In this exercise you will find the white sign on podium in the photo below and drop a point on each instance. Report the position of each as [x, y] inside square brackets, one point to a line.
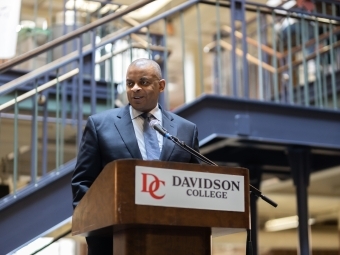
[187, 189]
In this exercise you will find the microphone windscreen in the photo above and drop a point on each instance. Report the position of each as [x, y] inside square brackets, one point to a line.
[154, 122]
[156, 125]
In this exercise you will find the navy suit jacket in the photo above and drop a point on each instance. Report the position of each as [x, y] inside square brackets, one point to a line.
[110, 135]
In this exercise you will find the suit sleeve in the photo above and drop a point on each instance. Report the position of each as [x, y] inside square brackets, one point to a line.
[88, 164]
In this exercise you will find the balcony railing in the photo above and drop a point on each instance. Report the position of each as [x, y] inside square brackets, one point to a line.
[247, 51]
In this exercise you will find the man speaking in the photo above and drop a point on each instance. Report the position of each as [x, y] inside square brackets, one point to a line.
[123, 133]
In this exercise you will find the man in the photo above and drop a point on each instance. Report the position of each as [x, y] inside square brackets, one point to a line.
[119, 133]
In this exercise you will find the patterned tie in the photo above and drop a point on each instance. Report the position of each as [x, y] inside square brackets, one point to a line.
[150, 138]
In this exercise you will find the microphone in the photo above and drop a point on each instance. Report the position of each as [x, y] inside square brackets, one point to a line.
[156, 125]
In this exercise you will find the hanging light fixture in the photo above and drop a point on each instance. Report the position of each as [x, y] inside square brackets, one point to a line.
[284, 223]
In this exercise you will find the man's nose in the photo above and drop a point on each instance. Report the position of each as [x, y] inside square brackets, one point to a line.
[135, 88]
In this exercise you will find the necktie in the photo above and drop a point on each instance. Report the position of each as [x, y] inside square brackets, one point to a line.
[150, 138]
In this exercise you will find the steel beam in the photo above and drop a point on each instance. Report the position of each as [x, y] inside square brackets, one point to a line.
[264, 122]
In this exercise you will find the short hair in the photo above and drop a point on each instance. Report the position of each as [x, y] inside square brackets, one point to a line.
[146, 61]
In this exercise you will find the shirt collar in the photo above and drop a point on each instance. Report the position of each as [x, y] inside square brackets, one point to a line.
[156, 112]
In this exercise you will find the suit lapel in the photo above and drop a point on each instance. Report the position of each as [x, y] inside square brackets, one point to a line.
[125, 128]
[168, 146]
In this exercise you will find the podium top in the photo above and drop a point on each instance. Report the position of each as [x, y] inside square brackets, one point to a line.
[109, 205]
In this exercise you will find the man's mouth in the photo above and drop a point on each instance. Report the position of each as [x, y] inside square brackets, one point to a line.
[137, 97]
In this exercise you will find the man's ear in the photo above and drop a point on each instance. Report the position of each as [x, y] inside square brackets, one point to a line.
[161, 85]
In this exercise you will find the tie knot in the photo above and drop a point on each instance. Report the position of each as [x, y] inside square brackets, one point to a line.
[147, 116]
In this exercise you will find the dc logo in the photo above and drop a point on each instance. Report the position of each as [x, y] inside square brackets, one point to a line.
[151, 184]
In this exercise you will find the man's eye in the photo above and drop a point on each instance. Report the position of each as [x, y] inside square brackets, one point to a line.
[130, 84]
[144, 82]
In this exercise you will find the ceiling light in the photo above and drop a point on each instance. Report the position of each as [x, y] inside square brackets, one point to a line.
[27, 24]
[148, 10]
[285, 5]
[109, 7]
[81, 5]
[284, 223]
[273, 3]
[288, 5]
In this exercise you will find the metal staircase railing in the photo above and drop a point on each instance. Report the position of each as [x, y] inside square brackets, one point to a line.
[269, 62]
[42, 113]
[71, 80]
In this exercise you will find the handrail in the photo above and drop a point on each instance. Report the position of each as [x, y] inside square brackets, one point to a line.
[270, 51]
[322, 50]
[73, 56]
[322, 18]
[312, 41]
[12, 85]
[39, 89]
[70, 74]
[240, 53]
[253, 42]
[139, 45]
[62, 39]
[266, 66]
[26, 117]
[133, 23]
[53, 241]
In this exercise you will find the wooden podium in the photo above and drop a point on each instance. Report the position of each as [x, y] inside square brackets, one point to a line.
[108, 208]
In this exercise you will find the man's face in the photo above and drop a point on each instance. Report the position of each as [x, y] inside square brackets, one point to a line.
[143, 87]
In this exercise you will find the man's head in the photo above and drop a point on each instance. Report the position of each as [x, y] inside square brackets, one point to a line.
[143, 84]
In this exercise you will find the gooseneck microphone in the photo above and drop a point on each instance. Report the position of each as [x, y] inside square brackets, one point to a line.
[155, 124]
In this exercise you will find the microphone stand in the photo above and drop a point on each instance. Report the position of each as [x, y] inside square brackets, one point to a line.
[253, 191]
[155, 124]
[198, 155]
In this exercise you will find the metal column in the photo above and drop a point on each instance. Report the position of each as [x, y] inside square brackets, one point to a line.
[158, 57]
[237, 13]
[255, 175]
[299, 159]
